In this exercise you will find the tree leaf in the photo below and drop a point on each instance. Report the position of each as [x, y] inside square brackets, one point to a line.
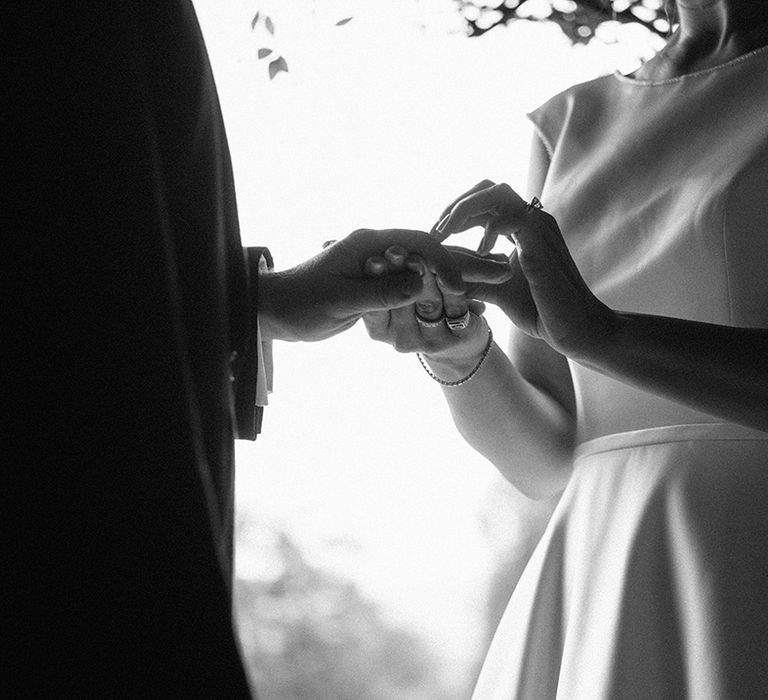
[277, 66]
[254, 21]
[344, 21]
[269, 25]
[263, 53]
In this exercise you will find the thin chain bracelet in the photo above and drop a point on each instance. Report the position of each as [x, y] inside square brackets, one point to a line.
[474, 371]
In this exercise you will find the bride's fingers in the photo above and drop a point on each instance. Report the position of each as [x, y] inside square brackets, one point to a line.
[499, 200]
[490, 234]
[482, 185]
[476, 218]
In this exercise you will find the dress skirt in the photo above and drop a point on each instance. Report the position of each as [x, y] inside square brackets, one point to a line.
[651, 579]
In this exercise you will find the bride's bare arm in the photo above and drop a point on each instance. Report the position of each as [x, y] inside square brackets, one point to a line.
[720, 370]
[519, 414]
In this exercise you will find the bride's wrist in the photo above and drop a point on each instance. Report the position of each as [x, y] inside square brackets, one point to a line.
[452, 370]
[453, 364]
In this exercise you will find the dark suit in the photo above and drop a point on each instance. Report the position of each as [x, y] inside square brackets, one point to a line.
[127, 294]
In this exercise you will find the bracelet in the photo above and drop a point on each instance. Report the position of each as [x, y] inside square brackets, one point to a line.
[459, 382]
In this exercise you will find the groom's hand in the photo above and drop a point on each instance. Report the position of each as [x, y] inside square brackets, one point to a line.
[331, 291]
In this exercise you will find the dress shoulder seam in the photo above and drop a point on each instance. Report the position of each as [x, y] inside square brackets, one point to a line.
[542, 137]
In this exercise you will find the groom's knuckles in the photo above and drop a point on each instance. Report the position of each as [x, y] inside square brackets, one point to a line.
[368, 242]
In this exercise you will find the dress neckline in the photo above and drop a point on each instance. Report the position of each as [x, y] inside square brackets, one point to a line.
[695, 74]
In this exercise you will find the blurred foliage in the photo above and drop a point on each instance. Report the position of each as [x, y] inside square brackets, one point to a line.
[266, 25]
[579, 19]
[276, 65]
[308, 634]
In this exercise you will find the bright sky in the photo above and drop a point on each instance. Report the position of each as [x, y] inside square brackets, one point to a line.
[378, 123]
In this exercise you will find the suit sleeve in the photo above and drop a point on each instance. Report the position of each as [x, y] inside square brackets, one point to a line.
[125, 285]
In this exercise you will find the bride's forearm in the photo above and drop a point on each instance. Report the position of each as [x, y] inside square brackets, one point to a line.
[720, 370]
[522, 430]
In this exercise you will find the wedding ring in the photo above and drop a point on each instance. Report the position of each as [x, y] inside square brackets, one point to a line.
[535, 203]
[457, 323]
[429, 323]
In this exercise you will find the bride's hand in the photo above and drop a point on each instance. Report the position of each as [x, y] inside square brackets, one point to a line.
[546, 296]
[421, 327]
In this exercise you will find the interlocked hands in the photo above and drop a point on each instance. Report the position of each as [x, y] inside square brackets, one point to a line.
[424, 325]
[421, 296]
[544, 295]
[331, 291]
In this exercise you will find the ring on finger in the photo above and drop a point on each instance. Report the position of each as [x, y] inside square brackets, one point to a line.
[457, 323]
[535, 203]
[429, 322]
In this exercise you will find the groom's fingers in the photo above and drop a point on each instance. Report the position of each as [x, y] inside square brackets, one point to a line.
[364, 243]
[350, 254]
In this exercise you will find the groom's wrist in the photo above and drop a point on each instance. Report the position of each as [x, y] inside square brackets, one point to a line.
[276, 317]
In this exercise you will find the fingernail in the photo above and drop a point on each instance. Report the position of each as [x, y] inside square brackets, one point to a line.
[395, 255]
[442, 223]
[416, 266]
[427, 309]
[376, 267]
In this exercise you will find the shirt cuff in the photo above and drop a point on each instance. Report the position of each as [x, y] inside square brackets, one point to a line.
[253, 365]
[265, 364]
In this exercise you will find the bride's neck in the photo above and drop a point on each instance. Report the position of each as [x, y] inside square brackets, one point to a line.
[710, 32]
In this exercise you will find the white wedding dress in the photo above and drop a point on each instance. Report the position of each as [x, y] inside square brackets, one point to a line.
[651, 580]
